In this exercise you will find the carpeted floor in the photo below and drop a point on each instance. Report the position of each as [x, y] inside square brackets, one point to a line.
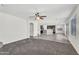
[37, 47]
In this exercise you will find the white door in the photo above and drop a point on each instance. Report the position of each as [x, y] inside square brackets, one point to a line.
[31, 29]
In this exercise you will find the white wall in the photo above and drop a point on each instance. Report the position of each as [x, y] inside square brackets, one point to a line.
[74, 40]
[12, 28]
[60, 26]
[77, 32]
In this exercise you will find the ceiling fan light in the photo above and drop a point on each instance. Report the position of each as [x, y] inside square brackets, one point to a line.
[38, 18]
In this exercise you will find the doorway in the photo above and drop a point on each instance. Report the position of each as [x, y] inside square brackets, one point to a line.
[51, 29]
[31, 29]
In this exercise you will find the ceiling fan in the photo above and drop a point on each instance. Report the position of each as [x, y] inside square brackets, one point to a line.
[39, 17]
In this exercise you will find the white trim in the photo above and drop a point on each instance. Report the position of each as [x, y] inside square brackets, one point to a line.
[73, 42]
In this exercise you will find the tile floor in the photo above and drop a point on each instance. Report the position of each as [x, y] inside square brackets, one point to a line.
[54, 37]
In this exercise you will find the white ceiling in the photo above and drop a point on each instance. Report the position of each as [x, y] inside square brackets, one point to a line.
[26, 10]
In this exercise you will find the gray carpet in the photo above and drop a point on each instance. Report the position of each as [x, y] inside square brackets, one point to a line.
[37, 47]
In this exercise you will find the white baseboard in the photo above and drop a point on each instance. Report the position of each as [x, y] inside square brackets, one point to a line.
[74, 43]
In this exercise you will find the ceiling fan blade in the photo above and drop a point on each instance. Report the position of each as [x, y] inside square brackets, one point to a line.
[31, 16]
[43, 16]
[37, 14]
